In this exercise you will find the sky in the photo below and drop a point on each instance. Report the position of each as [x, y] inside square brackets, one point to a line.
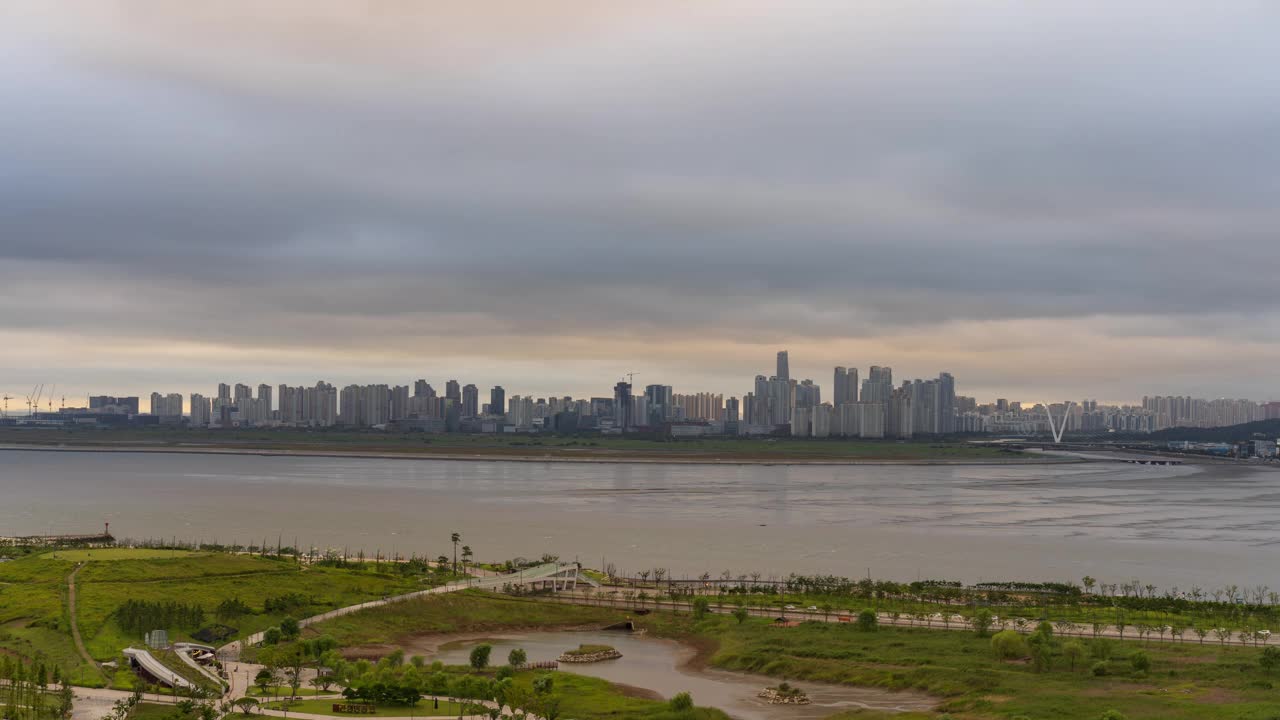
[1057, 200]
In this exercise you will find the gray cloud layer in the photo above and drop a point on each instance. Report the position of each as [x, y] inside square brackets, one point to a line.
[893, 177]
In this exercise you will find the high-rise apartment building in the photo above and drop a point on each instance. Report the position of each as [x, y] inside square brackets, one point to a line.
[265, 400]
[845, 386]
[453, 391]
[470, 401]
[497, 400]
[784, 365]
[168, 405]
[622, 405]
[201, 413]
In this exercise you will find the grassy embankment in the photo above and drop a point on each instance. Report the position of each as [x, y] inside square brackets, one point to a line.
[34, 619]
[497, 446]
[1082, 611]
[1185, 681]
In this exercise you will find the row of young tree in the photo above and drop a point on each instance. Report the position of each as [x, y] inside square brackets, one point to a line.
[33, 690]
[146, 615]
[1244, 610]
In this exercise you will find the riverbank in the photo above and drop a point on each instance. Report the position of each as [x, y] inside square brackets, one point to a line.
[560, 455]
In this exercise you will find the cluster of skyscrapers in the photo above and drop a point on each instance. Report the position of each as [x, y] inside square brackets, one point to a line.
[870, 407]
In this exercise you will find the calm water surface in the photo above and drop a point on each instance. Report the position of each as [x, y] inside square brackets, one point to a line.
[657, 665]
[1173, 526]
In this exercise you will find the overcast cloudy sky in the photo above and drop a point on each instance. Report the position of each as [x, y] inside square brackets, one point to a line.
[1049, 200]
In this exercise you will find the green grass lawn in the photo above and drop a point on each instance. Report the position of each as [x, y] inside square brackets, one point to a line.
[1186, 682]
[34, 620]
[152, 711]
[108, 554]
[588, 698]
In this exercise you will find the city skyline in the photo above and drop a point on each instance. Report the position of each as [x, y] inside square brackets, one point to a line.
[527, 195]
[875, 407]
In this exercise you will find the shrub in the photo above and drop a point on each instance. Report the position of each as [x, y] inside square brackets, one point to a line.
[1100, 669]
[272, 636]
[480, 656]
[701, 606]
[1270, 659]
[982, 621]
[1140, 662]
[682, 702]
[1112, 715]
[1008, 645]
[867, 621]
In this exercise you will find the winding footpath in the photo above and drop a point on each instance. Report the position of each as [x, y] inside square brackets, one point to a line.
[75, 624]
[542, 573]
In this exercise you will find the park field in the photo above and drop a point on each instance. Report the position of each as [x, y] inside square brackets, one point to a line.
[109, 554]
[1084, 678]
[35, 617]
[542, 447]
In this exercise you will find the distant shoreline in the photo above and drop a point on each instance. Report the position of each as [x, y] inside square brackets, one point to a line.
[627, 459]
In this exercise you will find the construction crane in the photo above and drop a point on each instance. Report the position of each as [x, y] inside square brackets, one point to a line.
[33, 400]
[51, 394]
[6, 405]
[631, 378]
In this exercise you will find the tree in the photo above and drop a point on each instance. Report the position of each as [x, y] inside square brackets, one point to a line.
[466, 556]
[480, 656]
[290, 629]
[517, 657]
[1269, 659]
[982, 621]
[1073, 651]
[455, 538]
[272, 636]
[867, 621]
[265, 678]
[246, 705]
[701, 606]
[1008, 645]
[1140, 662]
[740, 613]
[1088, 583]
[682, 702]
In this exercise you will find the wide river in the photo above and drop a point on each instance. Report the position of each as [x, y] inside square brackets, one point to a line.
[1184, 526]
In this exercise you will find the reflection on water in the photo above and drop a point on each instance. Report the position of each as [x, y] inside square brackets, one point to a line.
[1172, 526]
[655, 665]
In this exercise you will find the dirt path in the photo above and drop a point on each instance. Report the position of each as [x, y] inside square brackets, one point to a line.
[75, 624]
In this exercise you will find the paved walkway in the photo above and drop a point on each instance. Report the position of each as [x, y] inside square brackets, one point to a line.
[231, 651]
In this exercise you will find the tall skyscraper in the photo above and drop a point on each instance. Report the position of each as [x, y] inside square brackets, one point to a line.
[470, 401]
[264, 398]
[422, 388]
[622, 405]
[497, 400]
[946, 403]
[845, 389]
[658, 403]
[784, 367]
[200, 410]
[453, 391]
